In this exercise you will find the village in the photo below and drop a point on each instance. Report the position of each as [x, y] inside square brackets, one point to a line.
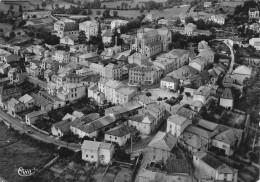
[146, 98]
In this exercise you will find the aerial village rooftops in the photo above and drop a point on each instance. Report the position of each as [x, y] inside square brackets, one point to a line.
[120, 131]
[120, 109]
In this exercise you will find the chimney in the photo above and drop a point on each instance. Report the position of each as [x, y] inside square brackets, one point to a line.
[116, 41]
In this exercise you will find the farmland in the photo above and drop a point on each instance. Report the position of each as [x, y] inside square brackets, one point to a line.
[166, 13]
[16, 152]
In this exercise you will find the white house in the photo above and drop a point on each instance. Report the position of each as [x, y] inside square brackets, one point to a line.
[69, 40]
[226, 99]
[169, 82]
[60, 128]
[97, 152]
[207, 4]
[176, 124]
[119, 134]
[27, 100]
[218, 19]
[89, 27]
[255, 42]
[211, 168]
[61, 56]
[118, 23]
[71, 91]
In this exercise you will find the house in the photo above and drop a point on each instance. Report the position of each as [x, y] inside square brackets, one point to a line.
[144, 123]
[255, 42]
[4, 54]
[148, 119]
[228, 141]
[125, 110]
[110, 52]
[27, 100]
[34, 70]
[31, 117]
[84, 72]
[61, 128]
[150, 42]
[7, 92]
[226, 99]
[110, 88]
[4, 68]
[193, 143]
[47, 102]
[124, 94]
[176, 124]
[204, 93]
[161, 146]
[118, 23]
[251, 61]
[97, 152]
[15, 106]
[218, 19]
[113, 71]
[242, 72]
[253, 13]
[141, 75]
[71, 91]
[66, 27]
[183, 73]
[94, 127]
[107, 36]
[90, 28]
[120, 134]
[35, 14]
[70, 40]
[77, 125]
[93, 92]
[211, 168]
[11, 58]
[163, 22]
[16, 75]
[169, 83]
[149, 18]
[172, 60]
[61, 56]
[207, 4]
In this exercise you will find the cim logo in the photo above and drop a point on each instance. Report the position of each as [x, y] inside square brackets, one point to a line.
[26, 172]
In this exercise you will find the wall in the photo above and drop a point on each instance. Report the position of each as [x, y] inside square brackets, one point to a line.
[90, 155]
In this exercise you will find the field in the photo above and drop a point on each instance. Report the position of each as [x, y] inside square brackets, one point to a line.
[166, 13]
[231, 3]
[61, 4]
[19, 153]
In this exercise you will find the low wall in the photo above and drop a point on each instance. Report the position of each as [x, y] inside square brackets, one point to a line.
[38, 129]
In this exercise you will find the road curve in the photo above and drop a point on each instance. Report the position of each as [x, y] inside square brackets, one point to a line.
[37, 135]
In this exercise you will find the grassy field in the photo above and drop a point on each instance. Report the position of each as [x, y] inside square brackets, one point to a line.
[166, 13]
[20, 153]
[231, 4]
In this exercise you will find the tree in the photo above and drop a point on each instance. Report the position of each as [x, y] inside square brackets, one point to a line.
[148, 94]
[137, 7]
[115, 14]
[106, 13]
[189, 19]
[159, 99]
[141, 10]
[56, 6]
[122, 5]
[126, 5]
[82, 37]
[20, 9]
[79, 3]
[11, 7]
[12, 35]
[44, 4]
[84, 12]
[98, 12]
[90, 12]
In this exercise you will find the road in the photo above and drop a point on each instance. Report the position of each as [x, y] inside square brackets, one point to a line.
[16, 124]
[225, 41]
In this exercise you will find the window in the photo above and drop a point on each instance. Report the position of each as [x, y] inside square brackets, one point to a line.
[92, 156]
[71, 95]
[87, 156]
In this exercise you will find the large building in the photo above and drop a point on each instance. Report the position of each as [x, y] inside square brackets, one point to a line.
[253, 12]
[89, 27]
[141, 75]
[66, 27]
[150, 42]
